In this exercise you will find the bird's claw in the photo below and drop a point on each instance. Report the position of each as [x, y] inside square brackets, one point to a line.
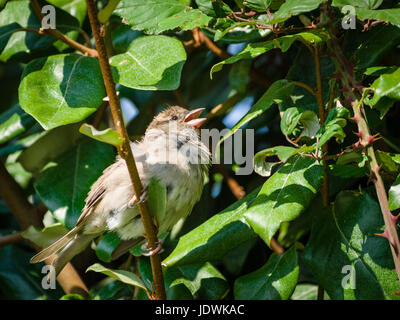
[143, 197]
[158, 249]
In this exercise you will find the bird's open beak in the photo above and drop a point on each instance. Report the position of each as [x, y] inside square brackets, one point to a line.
[192, 118]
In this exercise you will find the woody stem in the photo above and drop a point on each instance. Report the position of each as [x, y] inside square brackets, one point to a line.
[125, 151]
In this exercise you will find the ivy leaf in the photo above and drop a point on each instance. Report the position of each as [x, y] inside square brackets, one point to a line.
[215, 237]
[61, 89]
[276, 280]
[108, 135]
[64, 184]
[346, 256]
[121, 275]
[284, 196]
[160, 15]
[151, 63]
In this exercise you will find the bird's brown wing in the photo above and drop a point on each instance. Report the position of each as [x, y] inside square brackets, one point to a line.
[96, 193]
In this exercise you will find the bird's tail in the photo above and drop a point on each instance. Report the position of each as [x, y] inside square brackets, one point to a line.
[66, 248]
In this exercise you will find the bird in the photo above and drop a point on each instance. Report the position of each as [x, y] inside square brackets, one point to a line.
[172, 152]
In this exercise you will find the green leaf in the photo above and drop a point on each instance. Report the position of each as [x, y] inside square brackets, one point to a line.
[299, 122]
[151, 63]
[48, 147]
[284, 43]
[333, 128]
[157, 199]
[276, 93]
[275, 280]
[20, 14]
[375, 45]
[45, 237]
[307, 291]
[121, 275]
[72, 296]
[344, 239]
[64, 184]
[387, 85]
[13, 122]
[239, 76]
[215, 237]
[261, 5]
[20, 280]
[204, 281]
[61, 89]
[284, 196]
[284, 153]
[394, 195]
[108, 135]
[106, 246]
[160, 15]
[347, 171]
[293, 8]
[390, 15]
[367, 4]
[213, 8]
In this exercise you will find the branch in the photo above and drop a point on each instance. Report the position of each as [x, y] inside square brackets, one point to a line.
[352, 89]
[60, 36]
[224, 106]
[305, 86]
[125, 151]
[27, 215]
[11, 239]
[322, 117]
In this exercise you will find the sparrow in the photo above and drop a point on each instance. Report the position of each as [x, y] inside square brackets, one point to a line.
[170, 151]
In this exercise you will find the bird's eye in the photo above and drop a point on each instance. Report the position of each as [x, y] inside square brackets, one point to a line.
[174, 118]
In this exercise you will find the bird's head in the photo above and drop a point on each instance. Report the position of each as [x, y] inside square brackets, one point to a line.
[177, 119]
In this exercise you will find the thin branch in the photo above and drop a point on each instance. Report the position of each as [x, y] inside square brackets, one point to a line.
[27, 215]
[60, 36]
[125, 151]
[305, 86]
[322, 117]
[11, 239]
[224, 106]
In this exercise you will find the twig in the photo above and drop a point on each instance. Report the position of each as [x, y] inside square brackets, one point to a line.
[125, 151]
[27, 215]
[224, 106]
[322, 116]
[11, 239]
[305, 86]
[320, 295]
[99, 114]
[60, 36]
[179, 97]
